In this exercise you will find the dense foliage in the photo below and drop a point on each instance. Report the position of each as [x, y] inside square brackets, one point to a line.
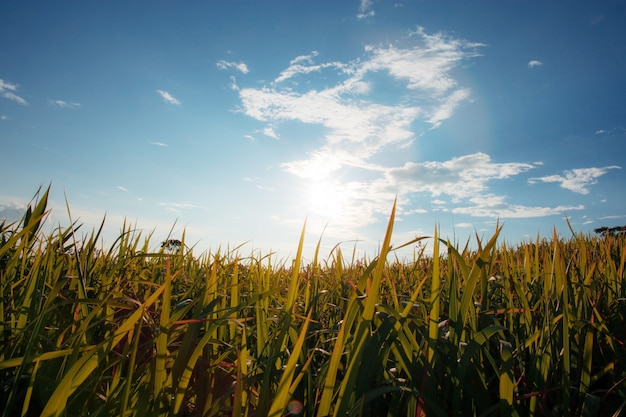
[535, 329]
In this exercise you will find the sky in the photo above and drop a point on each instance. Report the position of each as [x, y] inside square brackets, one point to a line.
[237, 122]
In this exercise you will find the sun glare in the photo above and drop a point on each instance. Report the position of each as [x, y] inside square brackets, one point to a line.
[326, 198]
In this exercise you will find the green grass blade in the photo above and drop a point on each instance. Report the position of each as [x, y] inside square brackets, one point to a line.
[285, 388]
[160, 373]
[86, 364]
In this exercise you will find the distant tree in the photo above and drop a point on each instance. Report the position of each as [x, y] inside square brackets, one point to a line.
[171, 245]
[614, 231]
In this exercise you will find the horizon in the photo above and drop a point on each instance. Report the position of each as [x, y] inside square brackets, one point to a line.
[237, 122]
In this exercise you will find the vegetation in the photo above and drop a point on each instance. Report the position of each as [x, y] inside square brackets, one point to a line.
[610, 230]
[536, 329]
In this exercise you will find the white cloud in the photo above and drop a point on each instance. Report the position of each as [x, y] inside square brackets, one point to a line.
[496, 207]
[460, 178]
[11, 210]
[159, 144]
[270, 132]
[179, 207]
[365, 9]
[362, 126]
[119, 187]
[534, 63]
[446, 109]
[616, 131]
[239, 66]
[168, 98]
[576, 180]
[426, 66]
[345, 107]
[265, 188]
[304, 64]
[4, 117]
[612, 217]
[7, 90]
[464, 225]
[64, 104]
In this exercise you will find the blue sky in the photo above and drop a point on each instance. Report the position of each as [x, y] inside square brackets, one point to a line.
[237, 120]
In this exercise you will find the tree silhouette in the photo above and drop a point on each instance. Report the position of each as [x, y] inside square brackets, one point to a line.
[613, 231]
[171, 245]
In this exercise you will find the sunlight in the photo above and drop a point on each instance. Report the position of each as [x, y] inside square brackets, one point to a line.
[326, 198]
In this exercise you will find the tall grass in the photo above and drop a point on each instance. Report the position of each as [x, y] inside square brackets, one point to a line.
[531, 330]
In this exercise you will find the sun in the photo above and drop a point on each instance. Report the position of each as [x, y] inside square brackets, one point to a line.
[326, 198]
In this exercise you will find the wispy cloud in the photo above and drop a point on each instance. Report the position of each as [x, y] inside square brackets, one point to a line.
[168, 98]
[464, 225]
[304, 64]
[460, 178]
[119, 187]
[239, 66]
[179, 207]
[446, 109]
[359, 127]
[365, 9]
[576, 180]
[4, 117]
[496, 207]
[616, 131]
[269, 131]
[63, 104]
[363, 126]
[7, 90]
[534, 63]
[159, 144]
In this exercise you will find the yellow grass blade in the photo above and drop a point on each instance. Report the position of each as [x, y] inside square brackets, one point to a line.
[295, 274]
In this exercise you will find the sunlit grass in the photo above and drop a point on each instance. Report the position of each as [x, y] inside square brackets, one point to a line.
[531, 330]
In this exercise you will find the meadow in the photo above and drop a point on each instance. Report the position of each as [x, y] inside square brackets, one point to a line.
[535, 329]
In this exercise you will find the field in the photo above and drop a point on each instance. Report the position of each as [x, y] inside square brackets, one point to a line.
[538, 329]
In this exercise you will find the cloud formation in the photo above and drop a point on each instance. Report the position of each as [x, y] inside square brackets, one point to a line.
[496, 207]
[11, 211]
[179, 207]
[365, 9]
[359, 126]
[534, 63]
[460, 178]
[7, 90]
[168, 98]
[345, 173]
[239, 66]
[270, 132]
[576, 180]
[64, 104]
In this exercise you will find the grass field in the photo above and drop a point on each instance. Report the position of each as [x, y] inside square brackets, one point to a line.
[532, 330]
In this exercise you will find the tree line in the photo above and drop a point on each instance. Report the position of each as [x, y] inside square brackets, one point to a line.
[614, 231]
